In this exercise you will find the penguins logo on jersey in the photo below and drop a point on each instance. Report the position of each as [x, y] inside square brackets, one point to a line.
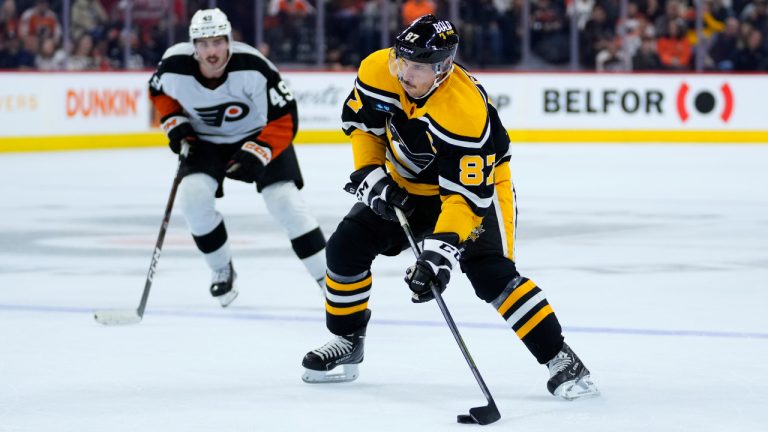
[417, 162]
[217, 115]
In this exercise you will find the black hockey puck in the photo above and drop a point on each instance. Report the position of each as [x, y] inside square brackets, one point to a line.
[465, 419]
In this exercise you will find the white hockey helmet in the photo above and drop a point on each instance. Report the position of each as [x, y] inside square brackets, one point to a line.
[208, 23]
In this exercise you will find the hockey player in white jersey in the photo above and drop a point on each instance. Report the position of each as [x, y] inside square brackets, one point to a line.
[229, 103]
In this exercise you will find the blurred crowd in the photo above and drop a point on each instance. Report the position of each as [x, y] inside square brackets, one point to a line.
[652, 35]
[32, 36]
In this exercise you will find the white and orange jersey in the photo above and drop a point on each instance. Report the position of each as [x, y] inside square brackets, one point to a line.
[249, 99]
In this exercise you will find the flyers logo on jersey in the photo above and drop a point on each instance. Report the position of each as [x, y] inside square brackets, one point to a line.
[227, 112]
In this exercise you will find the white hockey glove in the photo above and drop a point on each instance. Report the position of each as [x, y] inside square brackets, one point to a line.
[375, 188]
[438, 258]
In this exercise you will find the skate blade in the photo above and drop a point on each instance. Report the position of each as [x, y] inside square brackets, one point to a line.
[348, 372]
[226, 299]
[582, 388]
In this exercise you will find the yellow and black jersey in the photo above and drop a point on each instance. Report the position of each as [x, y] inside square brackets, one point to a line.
[450, 143]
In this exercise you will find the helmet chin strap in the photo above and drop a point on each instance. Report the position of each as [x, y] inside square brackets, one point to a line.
[438, 80]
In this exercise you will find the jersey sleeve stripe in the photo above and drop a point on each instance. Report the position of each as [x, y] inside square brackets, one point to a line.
[387, 97]
[278, 134]
[478, 202]
[246, 133]
[457, 140]
[166, 105]
[348, 126]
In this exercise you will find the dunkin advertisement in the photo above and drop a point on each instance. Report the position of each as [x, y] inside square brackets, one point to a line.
[41, 104]
[533, 106]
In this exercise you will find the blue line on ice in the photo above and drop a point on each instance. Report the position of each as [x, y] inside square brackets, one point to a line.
[253, 316]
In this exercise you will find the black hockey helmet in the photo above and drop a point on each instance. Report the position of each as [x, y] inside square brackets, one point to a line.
[427, 40]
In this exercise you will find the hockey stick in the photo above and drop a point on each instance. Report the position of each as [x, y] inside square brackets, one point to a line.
[128, 316]
[481, 415]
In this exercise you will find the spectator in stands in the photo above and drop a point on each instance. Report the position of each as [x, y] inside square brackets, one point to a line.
[713, 22]
[582, 9]
[40, 21]
[16, 56]
[612, 10]
[9, 21]
[612, 58]
[7, 55]
[647, 57]
[50, 58]
[651, 10]
[755, 15]
[30, 47]
[596, 35]
[413, 9]
[718, 11]
[548, 36]
[510, 12]
[632, 29]
[673, 12]
[293, 35]
[112, 48]
[342, 33]
[722, 53]
[752, 56]
[134, 61]
[88, 16]
[370, 27]
[290, 7]
[674, 48]
[482, 32]
[82, 57]
[150, 49]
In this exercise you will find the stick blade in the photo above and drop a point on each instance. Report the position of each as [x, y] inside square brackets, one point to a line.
[484, 415]
[117, 317]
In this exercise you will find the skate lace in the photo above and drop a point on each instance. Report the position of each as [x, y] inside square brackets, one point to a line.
[221, 275]
[334, 348]
[559, 363]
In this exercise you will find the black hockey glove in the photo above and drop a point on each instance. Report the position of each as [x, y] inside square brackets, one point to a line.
[247, 164]
[178, 129]
[433, 267]
[375, 188]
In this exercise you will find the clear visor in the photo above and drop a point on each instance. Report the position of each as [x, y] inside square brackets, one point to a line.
[403, 68]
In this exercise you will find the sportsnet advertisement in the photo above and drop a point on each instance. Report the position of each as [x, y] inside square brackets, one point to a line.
[46, 111]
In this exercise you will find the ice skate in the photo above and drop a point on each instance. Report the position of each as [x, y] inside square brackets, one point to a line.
[569, 379]
[223, 285]
[336, 361]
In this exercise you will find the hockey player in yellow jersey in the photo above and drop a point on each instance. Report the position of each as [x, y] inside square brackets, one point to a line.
[426, 140]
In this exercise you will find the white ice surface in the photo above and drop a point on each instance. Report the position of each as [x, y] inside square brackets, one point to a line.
[655, 259]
